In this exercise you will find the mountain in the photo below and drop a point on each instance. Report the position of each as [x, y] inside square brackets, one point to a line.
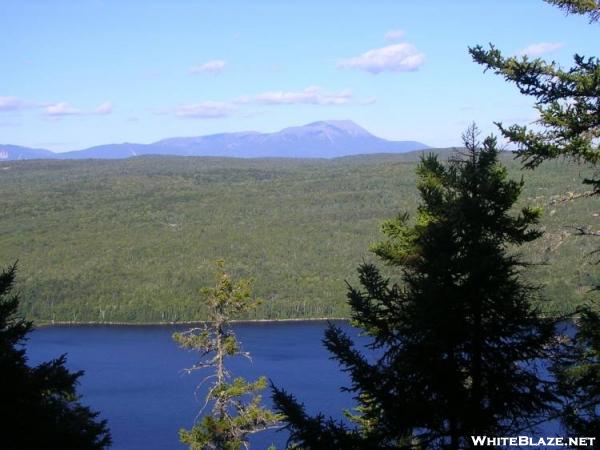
[13, 152]
[325, 139]
[108, 151]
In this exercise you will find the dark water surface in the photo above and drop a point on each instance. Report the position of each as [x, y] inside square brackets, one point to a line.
[133, 375]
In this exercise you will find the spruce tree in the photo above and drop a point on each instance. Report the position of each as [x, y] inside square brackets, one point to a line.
[568, 102]
[585, 7]
[39, 405]
[456, 342]
[236, 405]
[578, 376]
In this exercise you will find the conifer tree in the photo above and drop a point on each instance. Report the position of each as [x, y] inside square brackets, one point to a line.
[568, 102]
[456, 341]
[578, 376]
[39, 405]
[236, 405]
[585, 7]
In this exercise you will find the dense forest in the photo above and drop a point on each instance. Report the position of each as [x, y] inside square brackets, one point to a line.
[133, 240]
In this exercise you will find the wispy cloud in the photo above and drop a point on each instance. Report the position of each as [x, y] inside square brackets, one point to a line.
[61, 109]
[313, 95]
[12, 104]
[66, 109]
[215, 66]
[540, 48]
[394, 35]
[205, 110]
[401, 57]
[55, 110]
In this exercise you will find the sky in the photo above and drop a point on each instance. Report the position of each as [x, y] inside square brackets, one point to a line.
[79, 73]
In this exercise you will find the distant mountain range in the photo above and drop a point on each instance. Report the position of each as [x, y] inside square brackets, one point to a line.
[325, 139]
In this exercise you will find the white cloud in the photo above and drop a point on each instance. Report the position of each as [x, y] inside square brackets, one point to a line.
[66, 109]
[11, 104]
[61, 109]
[205, 110]
[313, 95]
[401, 57]
[214, 66]
[540, 48]
[56, 110]
[394, 35]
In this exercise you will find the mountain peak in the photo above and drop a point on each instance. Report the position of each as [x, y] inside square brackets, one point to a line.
[323, 139]
[347, 126]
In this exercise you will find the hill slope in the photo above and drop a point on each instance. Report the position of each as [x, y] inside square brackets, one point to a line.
[133, 240]
[16, 152]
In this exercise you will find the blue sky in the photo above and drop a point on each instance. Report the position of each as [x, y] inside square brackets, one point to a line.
[81, 73]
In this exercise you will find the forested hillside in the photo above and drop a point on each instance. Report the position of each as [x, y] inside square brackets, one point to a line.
[134, 240]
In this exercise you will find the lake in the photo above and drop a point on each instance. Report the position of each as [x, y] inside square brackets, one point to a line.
[133, 375]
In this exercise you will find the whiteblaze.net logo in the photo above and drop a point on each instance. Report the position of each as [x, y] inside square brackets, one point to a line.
[527, 441]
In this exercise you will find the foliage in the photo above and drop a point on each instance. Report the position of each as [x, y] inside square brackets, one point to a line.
[589, 7]
[128, 240]
[232, 418]
[578, 375]
[40, 407]
[458, 340]
[568, 101]
[318, 432]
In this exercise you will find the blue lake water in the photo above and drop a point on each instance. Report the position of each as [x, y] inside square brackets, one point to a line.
[134, 375]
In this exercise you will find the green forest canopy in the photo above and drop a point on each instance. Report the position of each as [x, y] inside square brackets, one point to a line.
[133, 240]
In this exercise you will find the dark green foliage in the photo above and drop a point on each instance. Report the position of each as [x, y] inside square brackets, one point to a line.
[457, 340]
[129, 240]
[317, 432]
[578, 376]
[568, 101]
[586, 7]
[39, 405]
[236, 412]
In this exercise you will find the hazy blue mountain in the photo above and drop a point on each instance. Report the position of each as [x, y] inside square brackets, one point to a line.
[108, 151]
[15, 152]
[326, 139]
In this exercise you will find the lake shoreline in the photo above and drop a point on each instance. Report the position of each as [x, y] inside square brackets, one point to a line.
[194, 322]
[199, 322]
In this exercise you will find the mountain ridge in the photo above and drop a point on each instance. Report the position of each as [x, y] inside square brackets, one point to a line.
[321, 139]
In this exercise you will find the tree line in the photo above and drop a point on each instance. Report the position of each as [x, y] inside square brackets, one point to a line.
[457, 344]
[460, 342]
